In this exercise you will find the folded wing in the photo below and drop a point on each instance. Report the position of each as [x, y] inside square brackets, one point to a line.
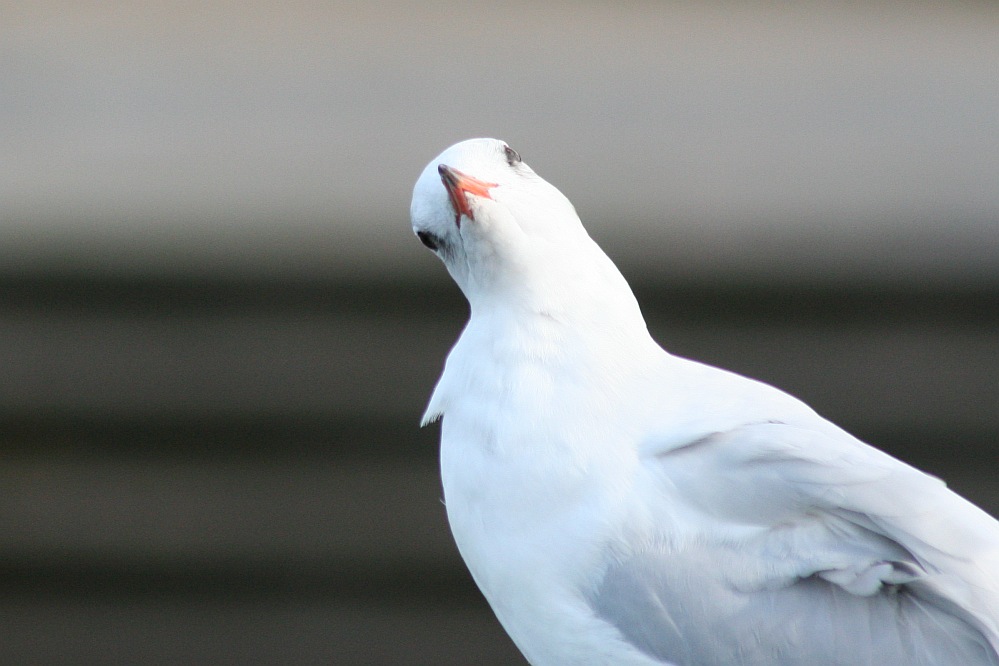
[807, 546]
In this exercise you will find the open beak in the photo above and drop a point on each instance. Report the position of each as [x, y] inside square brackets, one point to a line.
[459, 185]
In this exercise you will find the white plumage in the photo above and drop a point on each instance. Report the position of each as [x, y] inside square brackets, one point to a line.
[619, 505]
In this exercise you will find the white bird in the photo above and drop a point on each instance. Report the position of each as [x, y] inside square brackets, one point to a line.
[620, 505]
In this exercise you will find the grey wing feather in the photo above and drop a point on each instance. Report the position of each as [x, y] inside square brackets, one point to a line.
[859, 559]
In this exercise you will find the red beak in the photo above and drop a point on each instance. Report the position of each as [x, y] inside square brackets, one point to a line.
[459, 185]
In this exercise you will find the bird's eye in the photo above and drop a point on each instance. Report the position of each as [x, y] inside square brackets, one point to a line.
[512, 156]
[428, 239]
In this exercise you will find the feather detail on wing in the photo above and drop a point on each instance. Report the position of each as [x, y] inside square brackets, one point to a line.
[806, 506]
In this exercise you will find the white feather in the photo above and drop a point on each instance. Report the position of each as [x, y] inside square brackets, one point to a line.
[618, 505]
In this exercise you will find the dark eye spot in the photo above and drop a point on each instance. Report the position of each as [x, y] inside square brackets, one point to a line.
[512, 156]
[428, 239]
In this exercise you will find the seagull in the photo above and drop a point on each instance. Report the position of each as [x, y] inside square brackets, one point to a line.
[620, 505]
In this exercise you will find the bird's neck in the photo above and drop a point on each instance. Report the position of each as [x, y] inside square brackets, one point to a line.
[552, 339]
[578, 287]
[556, 324]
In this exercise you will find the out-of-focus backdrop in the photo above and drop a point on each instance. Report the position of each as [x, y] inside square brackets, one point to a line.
[217, 332]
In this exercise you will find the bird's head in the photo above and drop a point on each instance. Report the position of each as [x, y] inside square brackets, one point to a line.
[495, 223]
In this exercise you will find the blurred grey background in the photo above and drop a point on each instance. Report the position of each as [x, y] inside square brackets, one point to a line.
[217, 332]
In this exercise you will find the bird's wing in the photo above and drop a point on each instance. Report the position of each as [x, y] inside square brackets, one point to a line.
[814, 543]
